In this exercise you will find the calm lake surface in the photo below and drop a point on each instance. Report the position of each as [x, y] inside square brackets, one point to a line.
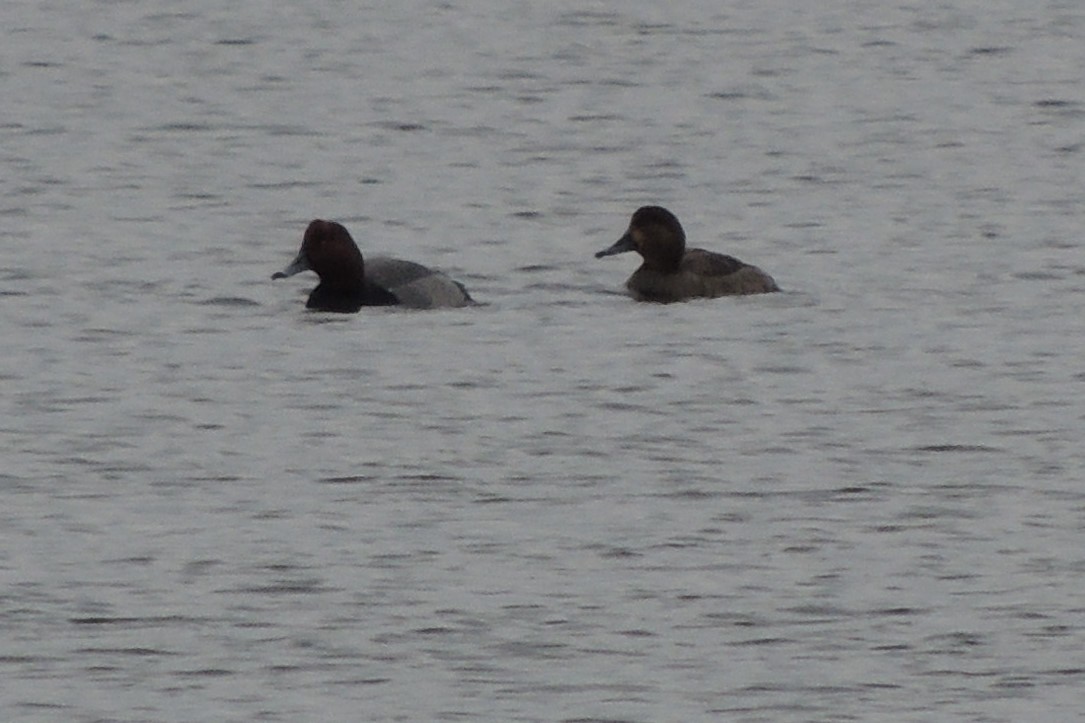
[859, 499]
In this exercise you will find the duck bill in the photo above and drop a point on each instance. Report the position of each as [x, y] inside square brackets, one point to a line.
[625, 243]
[299, 264]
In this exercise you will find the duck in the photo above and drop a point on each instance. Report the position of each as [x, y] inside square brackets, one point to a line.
[347, 282]
[671, 272]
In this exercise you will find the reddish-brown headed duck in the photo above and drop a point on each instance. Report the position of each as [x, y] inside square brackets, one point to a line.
[671, 272]
[347, 283]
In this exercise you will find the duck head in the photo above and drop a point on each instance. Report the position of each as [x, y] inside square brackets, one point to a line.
[655, 234]
[328, 249]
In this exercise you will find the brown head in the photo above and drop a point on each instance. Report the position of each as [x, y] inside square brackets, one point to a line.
[655, 234]
[328, 249]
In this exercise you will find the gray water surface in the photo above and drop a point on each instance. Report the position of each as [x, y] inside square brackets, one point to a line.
[859, 499]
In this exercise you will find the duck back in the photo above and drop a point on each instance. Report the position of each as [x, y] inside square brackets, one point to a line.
[701, 274]
[414, 285]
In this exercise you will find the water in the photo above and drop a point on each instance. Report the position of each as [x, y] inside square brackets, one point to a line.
[860, 499]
